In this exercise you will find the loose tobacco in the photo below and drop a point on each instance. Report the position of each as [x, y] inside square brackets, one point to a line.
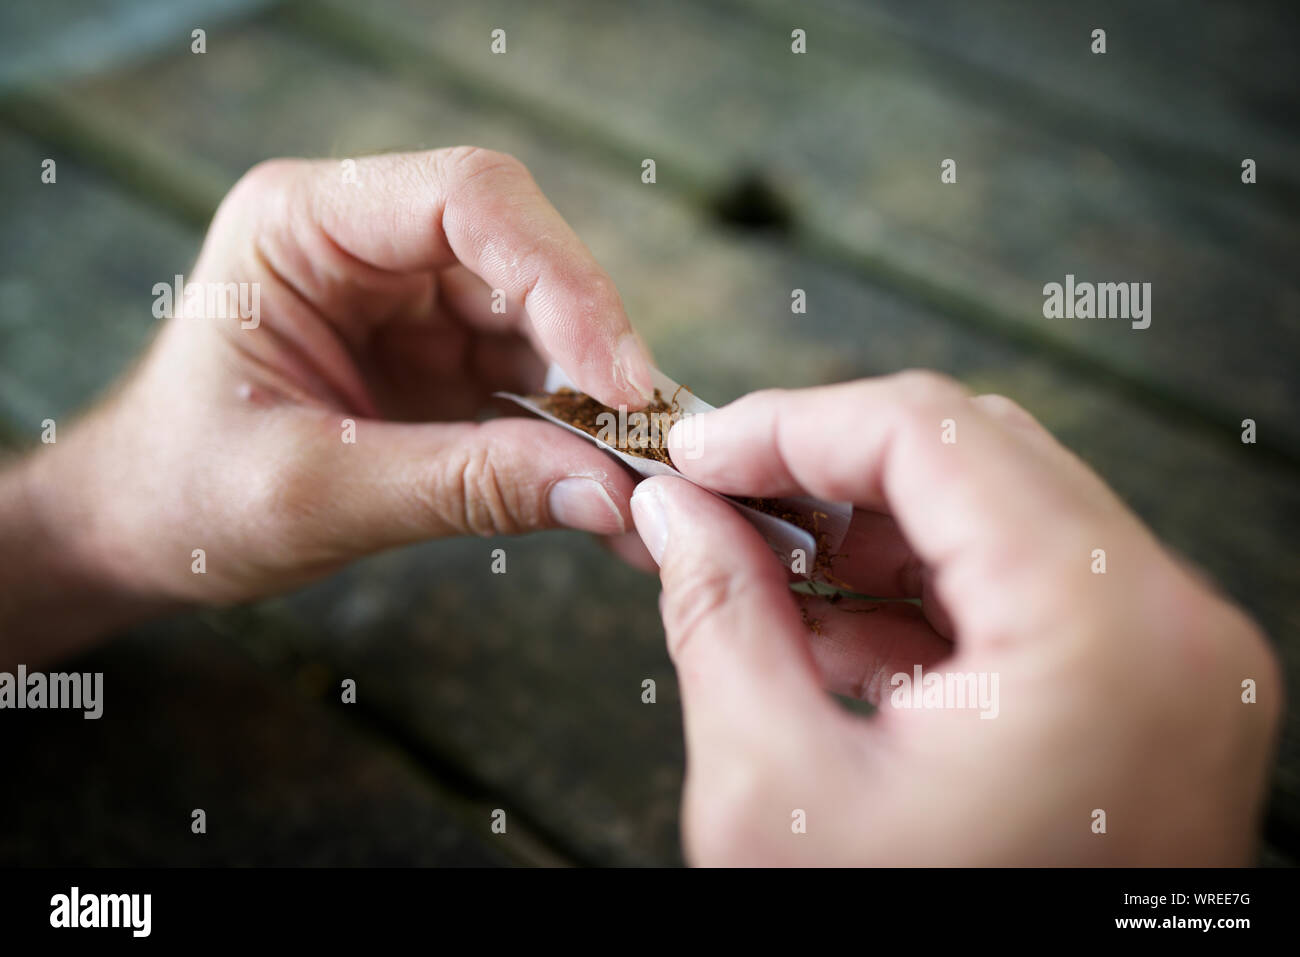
[644, 433]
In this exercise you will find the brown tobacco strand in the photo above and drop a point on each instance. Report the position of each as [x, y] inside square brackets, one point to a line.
[811, 525]
[583, 412]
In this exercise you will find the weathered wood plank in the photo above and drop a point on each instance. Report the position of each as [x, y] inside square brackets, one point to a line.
[189, 722]
[569, 635]
[854, 131]
[75, 298]
[531, 680]
[1173, 69]
[62, 38]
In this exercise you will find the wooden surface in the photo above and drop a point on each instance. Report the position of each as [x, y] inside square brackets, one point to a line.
[522, 691]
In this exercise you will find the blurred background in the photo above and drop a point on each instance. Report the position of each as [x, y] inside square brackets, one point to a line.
[775, 171]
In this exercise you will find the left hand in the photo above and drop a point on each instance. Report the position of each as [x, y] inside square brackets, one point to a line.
[375, 307]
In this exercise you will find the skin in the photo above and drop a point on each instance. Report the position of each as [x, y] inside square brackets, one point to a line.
[1119, 691]
[375, 306]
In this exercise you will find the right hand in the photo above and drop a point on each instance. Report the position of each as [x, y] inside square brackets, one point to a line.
[1119, 692]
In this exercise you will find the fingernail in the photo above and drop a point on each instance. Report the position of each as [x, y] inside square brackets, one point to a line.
[651, 520]
[632, 367]
[583, 503]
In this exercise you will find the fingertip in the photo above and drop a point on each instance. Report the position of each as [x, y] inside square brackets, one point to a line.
[565, 480]
[732, 627]
[662, 509]
[631, 371]
[583, 502]
[651, 517]
[612, 376]
[687, 528]
[687, 441]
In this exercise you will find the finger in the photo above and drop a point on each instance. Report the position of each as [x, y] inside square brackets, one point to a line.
[469, 298]
[1008, 411]
[416, 212]
[397, 483]
[747, 680]
[859, 645]
[876, 559]
[1014, 417]
[472, 300]
[994, 518]
[630, 549]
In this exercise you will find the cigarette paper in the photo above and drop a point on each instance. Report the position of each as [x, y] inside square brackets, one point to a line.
[794, 546]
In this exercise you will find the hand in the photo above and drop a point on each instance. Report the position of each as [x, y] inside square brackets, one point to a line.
[1119, 692]
[375, 305]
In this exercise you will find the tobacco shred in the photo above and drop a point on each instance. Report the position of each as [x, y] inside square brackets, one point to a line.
[583, 412]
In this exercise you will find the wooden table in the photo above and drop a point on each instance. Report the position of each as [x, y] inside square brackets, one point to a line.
[775, 171]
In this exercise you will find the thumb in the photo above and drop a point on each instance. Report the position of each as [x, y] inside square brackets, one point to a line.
[390, 483]
[746, 675]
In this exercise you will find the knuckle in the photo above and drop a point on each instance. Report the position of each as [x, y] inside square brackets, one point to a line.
[763, 396]
[1256, 656]
[1270, 666]
[460, 164]
[922, 399]
[599, 296]
[470, 496]
[761, 399]
[589, 295]
[925, 387]
[268, 178]
[695, 601]
[1005, 409]
[1214, 638]
[261, 201]
[1000, 405]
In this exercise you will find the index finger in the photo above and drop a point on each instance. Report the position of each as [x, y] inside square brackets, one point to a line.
[993, 515]
[412, 212]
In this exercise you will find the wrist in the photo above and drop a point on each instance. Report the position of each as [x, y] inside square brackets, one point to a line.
[61, 583]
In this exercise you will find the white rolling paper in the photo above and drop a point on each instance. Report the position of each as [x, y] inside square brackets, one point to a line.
[787, 540]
